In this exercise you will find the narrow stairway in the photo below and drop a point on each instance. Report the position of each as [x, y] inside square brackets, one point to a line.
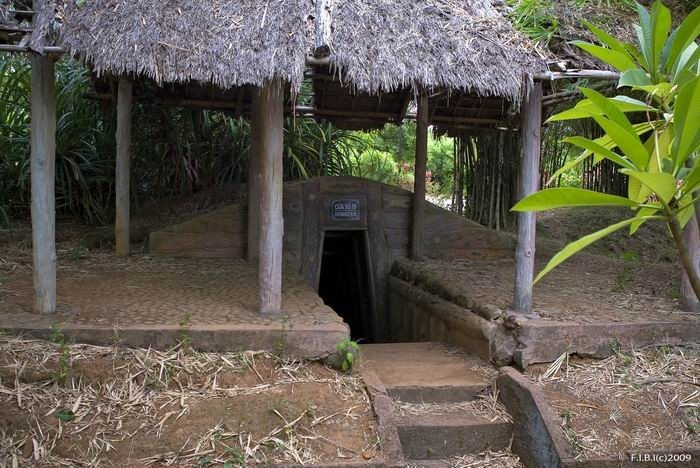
[444, 402]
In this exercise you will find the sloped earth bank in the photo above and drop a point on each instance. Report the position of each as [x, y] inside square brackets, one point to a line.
[641, 400]
[86, 405]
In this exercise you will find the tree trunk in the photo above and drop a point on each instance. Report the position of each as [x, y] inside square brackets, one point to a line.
[692, 241]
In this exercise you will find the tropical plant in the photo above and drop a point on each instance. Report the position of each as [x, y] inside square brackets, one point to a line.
[657, 149]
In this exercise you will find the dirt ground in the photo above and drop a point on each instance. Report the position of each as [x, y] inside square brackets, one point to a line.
[619, 279]
[643, 400]
[85, 405]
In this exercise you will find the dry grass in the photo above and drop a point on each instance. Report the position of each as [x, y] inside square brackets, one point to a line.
[488, 459]
[504, 459]
[146, 392]
[485, 406]
[639, 399]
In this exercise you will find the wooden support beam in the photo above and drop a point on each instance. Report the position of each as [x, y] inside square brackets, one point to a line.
[404, 107]
[324, 10]
[531, 129]
[271, 108]
[43, 174]
[577, 74]
[418, 220]
[256, 137]
[122, 175]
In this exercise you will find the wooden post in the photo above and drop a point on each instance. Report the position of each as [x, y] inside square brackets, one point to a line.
[323, 28]
[43, 173]
[256, 137]
[271, 104]
[418, 224]
[692, 240]
[122, 179]
[531, 128]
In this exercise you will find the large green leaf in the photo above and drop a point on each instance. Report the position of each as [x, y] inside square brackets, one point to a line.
[687, 66]
[608, 108]
[662, 183]
[585, 241]
[628, 142]
[568, 197]
[608, 39]
[687, 122]
[637, 191]
[634, 78]
[586, 108]
[643, 216]
[687, 210]
[599, 150]
[616, 59]
[652, 33]
[682, 37]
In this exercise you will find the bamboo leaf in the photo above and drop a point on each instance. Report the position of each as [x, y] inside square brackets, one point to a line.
[569, 197]
[578, 245]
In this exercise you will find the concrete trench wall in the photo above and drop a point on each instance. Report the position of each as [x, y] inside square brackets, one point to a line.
[416, 315]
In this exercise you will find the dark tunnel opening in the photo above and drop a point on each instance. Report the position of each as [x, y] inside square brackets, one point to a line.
[345, 281]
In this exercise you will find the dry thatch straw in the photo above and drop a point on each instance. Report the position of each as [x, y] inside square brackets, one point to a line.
[381, 45]
[376, 45]
[144, 391]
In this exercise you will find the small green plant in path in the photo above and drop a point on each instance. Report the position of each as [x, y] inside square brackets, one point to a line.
[60, 374]
[657, 146]
[349, 351]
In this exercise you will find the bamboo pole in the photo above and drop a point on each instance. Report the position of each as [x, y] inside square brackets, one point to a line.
[253, 178]
[531, 129]
[418, 224]
[43, 174]
[122, 175]
[271, 104]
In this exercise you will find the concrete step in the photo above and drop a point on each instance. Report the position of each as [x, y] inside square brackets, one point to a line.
[442, 436]
[422, 372]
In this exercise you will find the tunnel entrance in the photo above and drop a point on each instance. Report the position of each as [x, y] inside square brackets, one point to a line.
[345, 282]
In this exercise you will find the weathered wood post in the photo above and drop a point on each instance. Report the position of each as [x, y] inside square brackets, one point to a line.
[122, 175]
[271, 103]
[43, 173]
[692, 240]
[530, 128]
[418, 220]
[256, 137]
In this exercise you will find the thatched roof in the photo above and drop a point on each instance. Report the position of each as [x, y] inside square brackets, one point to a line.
[376, 45]
[384, 45]
[223, 42]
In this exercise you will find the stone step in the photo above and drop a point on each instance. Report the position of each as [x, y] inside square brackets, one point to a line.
[422, 372]
[442, 436]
